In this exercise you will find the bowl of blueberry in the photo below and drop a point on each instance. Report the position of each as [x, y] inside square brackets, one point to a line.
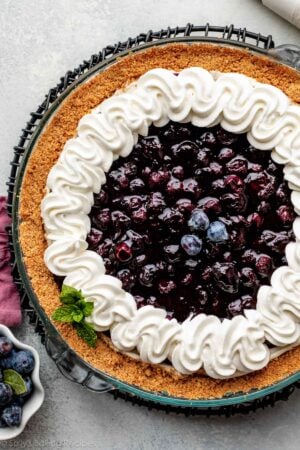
[21, 392]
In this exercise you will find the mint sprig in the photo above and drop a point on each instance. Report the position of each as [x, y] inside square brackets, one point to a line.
[74, 310]
[70, 295]
[87, 333]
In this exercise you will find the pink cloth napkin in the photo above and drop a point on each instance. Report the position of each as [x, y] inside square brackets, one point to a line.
[10, 308]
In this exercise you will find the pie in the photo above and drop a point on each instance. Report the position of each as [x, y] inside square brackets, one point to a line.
[166, 191]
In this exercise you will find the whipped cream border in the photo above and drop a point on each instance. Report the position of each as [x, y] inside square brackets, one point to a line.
[240, 104]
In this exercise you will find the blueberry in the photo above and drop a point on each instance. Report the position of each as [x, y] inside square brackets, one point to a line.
[139, 216]
[185, 205]
[255, 220]
[237, 165]
[174, 187]
[140, 301]
[218, 186]
[156, 202]
[158, 179]
[6, 346]
[236, 307]
[7, 363]
[103, 219]
[234, 202]
[22, 398]
[202, 159]
[137, 186]
[151, 147]
[186, 149]
[178, 172]
[120, 220]
[192, 188]
[282, 193]
[249, 256]
[123, 252]
[6, 394]
[135, 241]
[225, 137]
[191, 244]
[129, 169]
[127, 278]
[198, 221]
[105, 247]
[275, 241]
[23, 362]
[101, 198]
[216, 169]
[234, 182]
[226, 276]
[166, 286]
[147, 275]
[140, 260]
[210, 205]
[264, 265]
[226, 154]
[3, 424]
[217, 232]
[12, 415]
[286, 215]
[131, 202]
[94, 238]
[176, 131]
[248, 277]
[171, 217]
[208, 139]
[118, 179]
[172, 253]
[191, 264]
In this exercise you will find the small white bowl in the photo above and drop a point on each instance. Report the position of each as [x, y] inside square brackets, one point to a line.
[37, 397]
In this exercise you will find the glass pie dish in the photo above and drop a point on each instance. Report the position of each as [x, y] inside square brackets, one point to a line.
[68, 362]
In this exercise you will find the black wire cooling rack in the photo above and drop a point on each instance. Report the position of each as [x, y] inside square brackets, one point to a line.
[214, 34]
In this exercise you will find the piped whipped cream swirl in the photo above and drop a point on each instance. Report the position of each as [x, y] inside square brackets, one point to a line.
[240, 104]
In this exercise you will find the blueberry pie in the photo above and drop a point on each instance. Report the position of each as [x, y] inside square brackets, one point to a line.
[160, 220]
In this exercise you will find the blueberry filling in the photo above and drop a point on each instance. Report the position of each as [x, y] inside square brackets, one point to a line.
[193, 221]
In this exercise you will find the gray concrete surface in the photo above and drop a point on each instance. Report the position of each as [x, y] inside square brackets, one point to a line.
[39, 41]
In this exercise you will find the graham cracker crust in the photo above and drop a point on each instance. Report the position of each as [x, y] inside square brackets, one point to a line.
[176, 57]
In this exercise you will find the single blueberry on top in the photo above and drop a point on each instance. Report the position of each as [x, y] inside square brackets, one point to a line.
[198, 221]
[217, 232]
[191, 244]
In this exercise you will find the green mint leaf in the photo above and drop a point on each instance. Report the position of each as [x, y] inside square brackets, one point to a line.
[87, 333]
[15, 380]
[70, 295]
[86, 307]
[77, 314]
[65, 313]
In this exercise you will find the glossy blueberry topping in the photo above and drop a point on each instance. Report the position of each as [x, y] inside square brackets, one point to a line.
[194, 220]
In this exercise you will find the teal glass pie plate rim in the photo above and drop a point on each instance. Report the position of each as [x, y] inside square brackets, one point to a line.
[68, 362]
